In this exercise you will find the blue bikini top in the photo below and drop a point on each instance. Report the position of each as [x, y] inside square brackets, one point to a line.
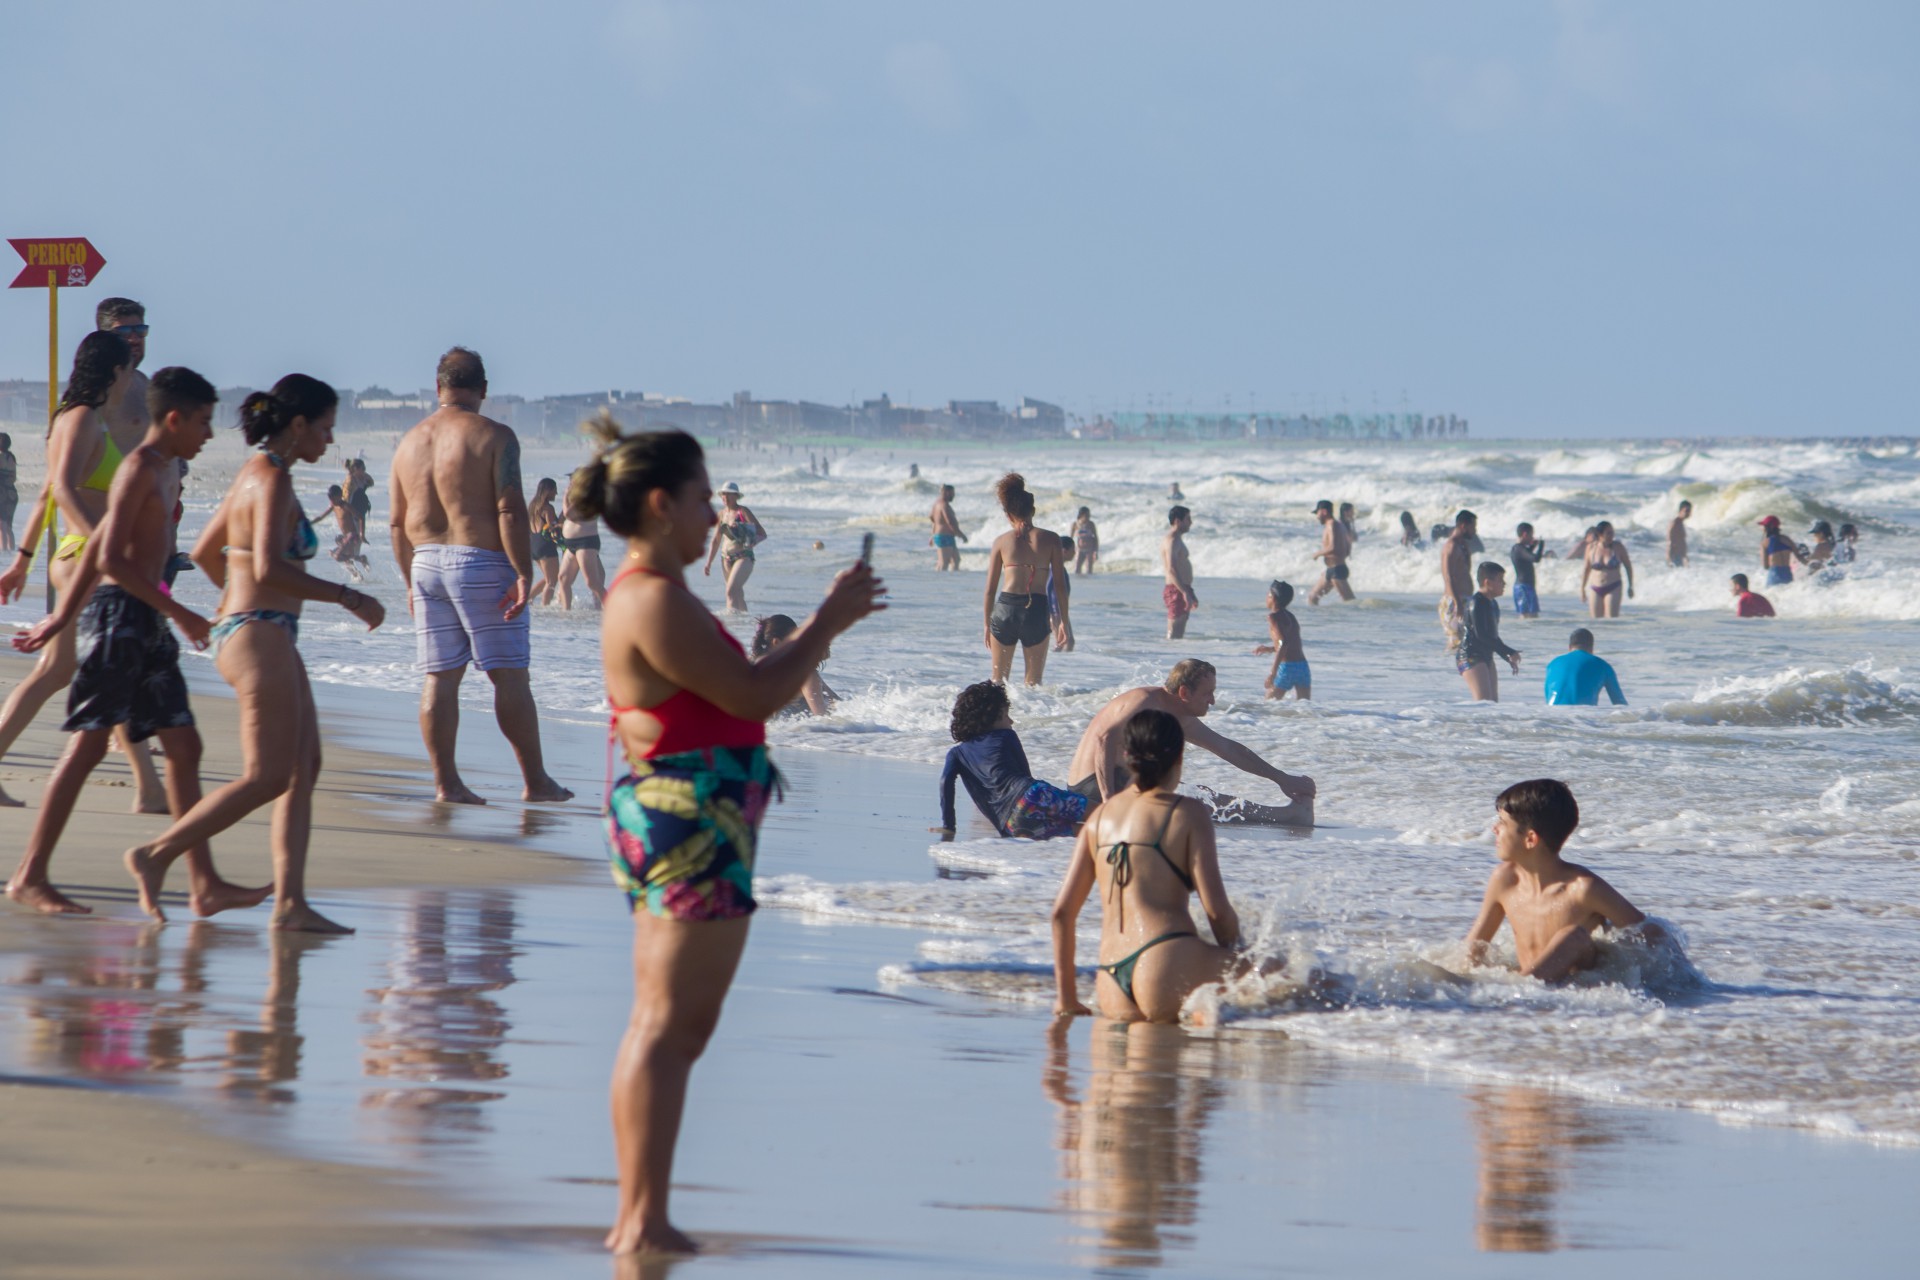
[306, 543]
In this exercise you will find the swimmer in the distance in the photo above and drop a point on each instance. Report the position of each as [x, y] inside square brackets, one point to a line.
[1553, 906]
[1148, 850]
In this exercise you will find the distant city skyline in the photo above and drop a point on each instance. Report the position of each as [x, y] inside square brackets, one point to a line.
[1561, 219]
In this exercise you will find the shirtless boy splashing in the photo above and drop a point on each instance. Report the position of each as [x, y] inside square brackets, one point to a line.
[1553, 906]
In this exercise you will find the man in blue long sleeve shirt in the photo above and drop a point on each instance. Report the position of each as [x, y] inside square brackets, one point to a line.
[1576, 677]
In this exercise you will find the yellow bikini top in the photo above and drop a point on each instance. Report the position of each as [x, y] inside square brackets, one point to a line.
[110, 459]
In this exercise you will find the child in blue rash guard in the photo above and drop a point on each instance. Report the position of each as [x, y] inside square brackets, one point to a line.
[992, 765]
[1576, 678]
[1527, 552]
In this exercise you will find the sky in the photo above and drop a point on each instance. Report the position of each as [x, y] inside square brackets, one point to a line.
[1554, 219]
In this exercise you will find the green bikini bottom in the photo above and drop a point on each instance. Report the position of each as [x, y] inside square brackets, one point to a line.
[1122, 970]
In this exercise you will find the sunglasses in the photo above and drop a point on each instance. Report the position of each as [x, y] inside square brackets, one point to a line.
[130, 330]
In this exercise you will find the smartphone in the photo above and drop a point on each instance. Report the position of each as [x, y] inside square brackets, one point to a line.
[866, 548]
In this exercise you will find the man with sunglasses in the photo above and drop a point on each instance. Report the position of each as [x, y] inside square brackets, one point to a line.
[127, 416]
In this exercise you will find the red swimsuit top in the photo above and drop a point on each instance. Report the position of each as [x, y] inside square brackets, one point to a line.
[688, 722]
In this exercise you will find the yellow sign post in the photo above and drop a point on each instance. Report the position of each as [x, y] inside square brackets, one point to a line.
[53, 408]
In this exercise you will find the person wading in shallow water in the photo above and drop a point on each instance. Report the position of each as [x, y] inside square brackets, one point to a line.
[947, 534]
[689, 715]
[1016, 597]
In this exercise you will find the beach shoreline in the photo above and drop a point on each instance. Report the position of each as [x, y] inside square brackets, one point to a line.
[472, 1096]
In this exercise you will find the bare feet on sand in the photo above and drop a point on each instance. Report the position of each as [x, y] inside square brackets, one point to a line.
[223, 896]
[634, 1238]
[155, 803]
[8, 802]
[45, 899]
[458, 794]
[546, 791]
[304, 919]
[149, 873]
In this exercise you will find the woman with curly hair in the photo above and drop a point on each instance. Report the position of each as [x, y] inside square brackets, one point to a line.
[992, 764]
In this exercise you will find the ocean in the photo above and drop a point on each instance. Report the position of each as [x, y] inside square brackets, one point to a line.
[1755, 795]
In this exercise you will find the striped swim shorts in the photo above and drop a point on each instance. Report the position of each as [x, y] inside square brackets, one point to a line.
[457, 607]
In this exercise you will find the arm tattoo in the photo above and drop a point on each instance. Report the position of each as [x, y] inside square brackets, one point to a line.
[507, 473]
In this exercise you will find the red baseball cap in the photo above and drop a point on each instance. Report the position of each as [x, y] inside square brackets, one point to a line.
[1769, 520]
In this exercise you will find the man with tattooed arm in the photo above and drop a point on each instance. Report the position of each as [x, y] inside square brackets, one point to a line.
[461, 535]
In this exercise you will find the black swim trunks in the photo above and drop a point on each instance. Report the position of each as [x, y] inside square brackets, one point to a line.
[1336, 573]
[541, 546]
[129, 669]
[1018, 619]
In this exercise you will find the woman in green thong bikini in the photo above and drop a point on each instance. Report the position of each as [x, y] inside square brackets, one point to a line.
[1147, 849]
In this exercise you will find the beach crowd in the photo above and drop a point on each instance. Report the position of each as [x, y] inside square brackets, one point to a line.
[689, 703]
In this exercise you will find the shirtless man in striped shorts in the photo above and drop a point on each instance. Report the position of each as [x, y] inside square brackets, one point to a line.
[461, 535]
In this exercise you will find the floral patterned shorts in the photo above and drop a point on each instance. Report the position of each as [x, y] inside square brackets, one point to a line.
[682, 830]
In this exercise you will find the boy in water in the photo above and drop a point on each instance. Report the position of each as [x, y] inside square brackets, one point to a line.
[129, 672]
[1480, 637]
[1290, 670]
[1553, 906]
[1527, 552]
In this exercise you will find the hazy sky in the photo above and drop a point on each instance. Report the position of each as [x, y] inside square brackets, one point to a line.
[1552, 218]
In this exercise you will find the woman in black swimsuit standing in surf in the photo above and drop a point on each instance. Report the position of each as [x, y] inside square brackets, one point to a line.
[1016, 604]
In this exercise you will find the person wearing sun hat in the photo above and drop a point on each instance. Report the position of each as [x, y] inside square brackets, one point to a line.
[740, 532]
[1777, 552]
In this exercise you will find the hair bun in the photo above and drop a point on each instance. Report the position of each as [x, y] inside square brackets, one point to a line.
[260, 416]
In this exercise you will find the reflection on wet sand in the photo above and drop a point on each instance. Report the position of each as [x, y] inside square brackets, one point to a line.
[1130, 1147]
[437, 1020]
[1529, 1141]
[114, 1000]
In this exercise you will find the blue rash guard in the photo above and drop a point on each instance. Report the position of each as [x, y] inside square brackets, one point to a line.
[1576, 677]
[994, 769]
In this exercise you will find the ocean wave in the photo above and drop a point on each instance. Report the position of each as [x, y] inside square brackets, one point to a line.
[1853, 695]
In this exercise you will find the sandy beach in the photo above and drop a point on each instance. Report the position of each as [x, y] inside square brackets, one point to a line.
[427, 1097]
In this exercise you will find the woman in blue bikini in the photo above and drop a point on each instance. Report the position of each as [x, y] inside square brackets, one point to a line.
[1147, 849]
[255, 549]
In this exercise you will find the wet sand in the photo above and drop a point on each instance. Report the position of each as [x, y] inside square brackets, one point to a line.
[456, 1053]
[114, 1177]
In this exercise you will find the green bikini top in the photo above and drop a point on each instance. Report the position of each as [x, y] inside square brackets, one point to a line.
[1120, 858]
